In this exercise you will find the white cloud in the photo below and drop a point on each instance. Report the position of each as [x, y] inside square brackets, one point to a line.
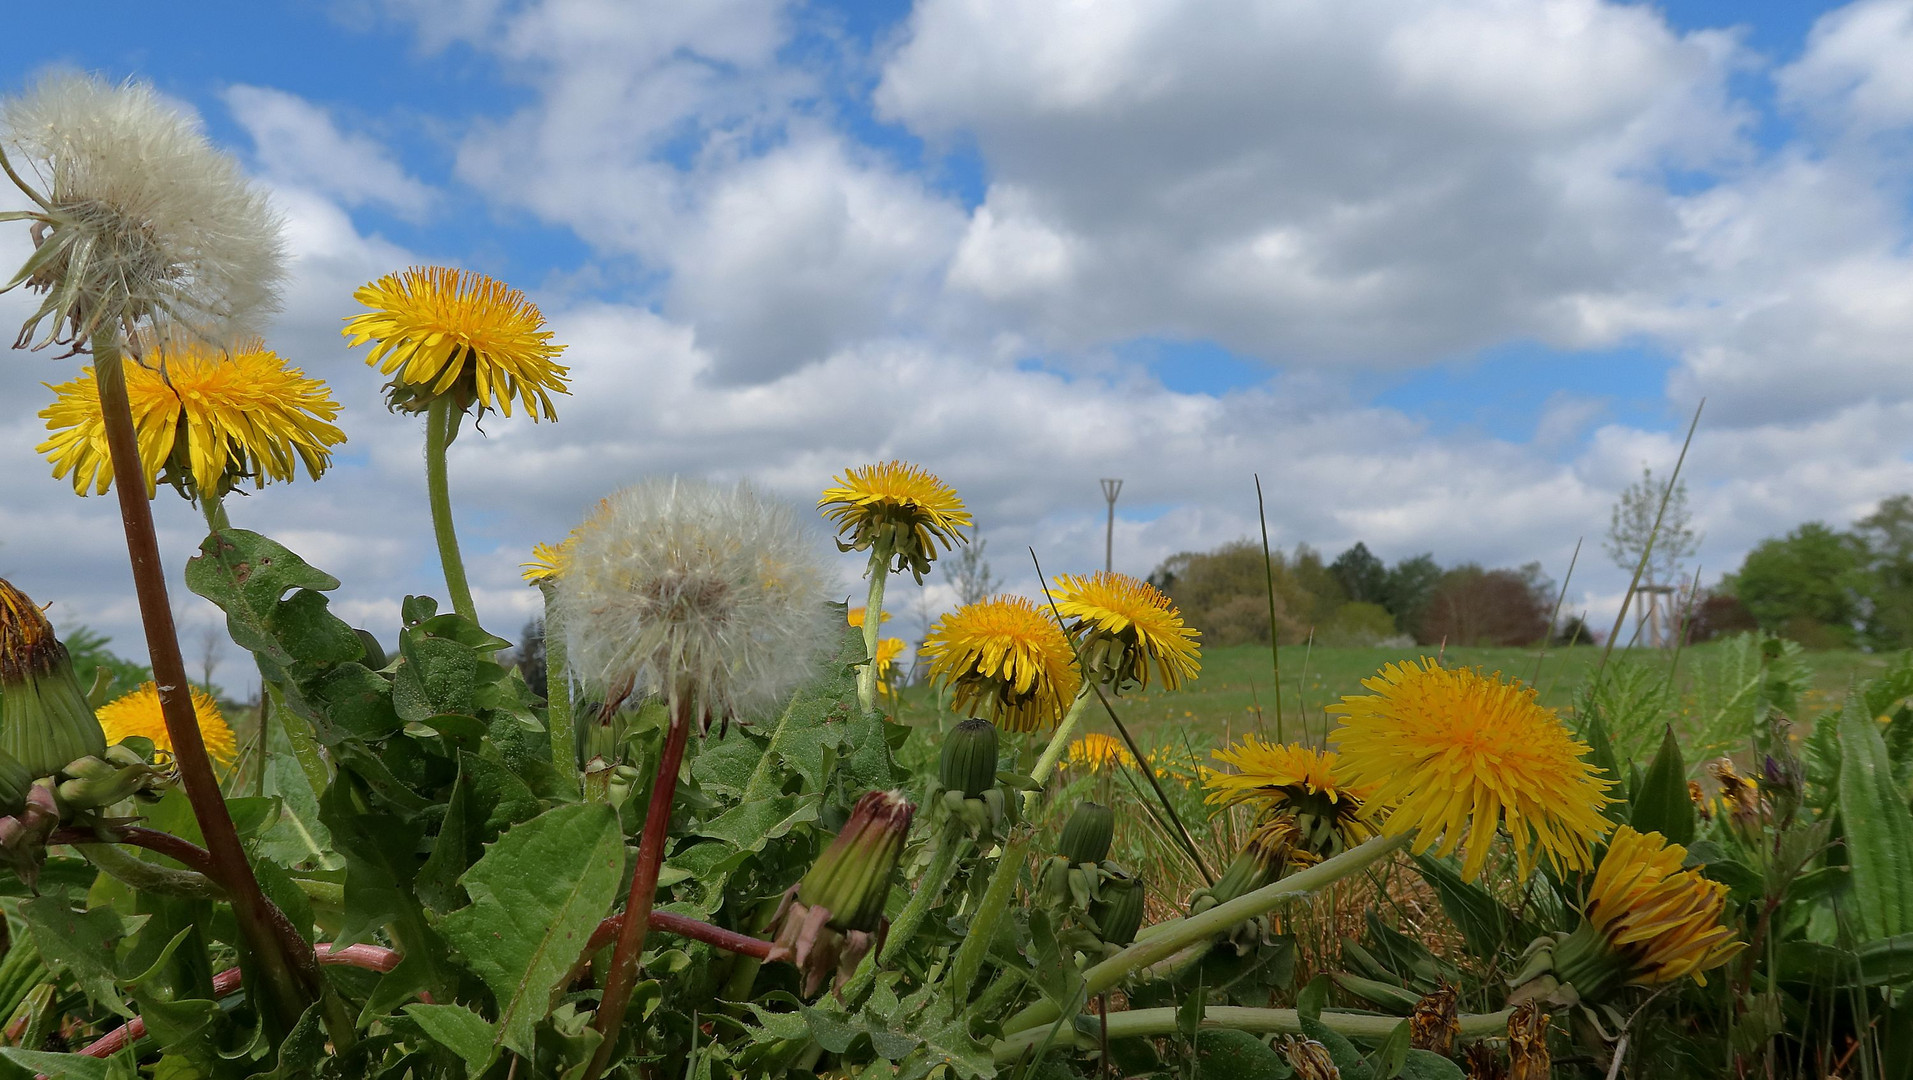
[1858, 67]
[295, 141]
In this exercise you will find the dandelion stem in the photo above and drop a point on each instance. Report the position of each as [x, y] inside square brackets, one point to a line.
[1169, 940]
[293, 979]
[1059, 741]
[644, 889]
[1145, 1023]
[943, 864]
[989, 913]
[564, 738]
[441, 427]
[873, 626]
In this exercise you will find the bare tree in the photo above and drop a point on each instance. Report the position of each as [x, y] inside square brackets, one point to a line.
[1631, 534]
[970, 572]
[211, 644]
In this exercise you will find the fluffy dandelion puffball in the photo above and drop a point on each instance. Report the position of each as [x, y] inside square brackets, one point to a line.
[216, 418]
[1127, 628]
[137, 713]
[1663, 921]
[441, 331]
[899, 508]
[1097, 752]
[1007, 658]
[142, 218]
[680, 587]
[1454, 754]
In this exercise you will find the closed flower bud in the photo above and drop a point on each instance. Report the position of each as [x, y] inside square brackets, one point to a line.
[14, 782]
[968, 763]
[45, 721]
[1117, 910]
[852, 877]
[1087, 833]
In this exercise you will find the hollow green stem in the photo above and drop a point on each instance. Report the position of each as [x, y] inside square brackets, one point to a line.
[441, 427]
[989, 912]
[292, 981]
[1059, 741]
[1143, 1023]
[943, 864]
[879, 574]
[149, 876]
[564, 738]
[1168, 941]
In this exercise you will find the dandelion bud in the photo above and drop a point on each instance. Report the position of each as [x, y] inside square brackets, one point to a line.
[114, 785]
[968, 763]
[852, 877]
[1087, 834]
[1117, 910]
[14, 782]
[45, 721]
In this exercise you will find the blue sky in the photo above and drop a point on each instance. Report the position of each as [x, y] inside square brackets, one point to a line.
[1445, 273]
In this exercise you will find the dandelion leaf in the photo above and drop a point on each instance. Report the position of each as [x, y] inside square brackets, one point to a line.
[1879, 827]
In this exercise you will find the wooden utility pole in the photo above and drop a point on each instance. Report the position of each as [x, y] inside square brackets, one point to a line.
[1111, 488]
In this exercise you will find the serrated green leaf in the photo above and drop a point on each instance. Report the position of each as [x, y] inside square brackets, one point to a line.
[80, 943]
[247, 575]
[536, 896]
[459, 1030]
[1313, 998]
[749, 826]
[1662, 804]
[1879, 828]
[59, 1066]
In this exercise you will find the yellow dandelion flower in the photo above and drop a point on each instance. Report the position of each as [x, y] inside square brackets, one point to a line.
[1453, 754]
[1126, 627]
[137, 713]
[1005, 655]
[1663, 922]
[547, 562]
[895, 508]
[1294, 784]
[856, 616]
[1098, 751]
[444, 331]
[209, 417]
[888, 650]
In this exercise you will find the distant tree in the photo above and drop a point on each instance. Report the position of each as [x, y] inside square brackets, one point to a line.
[1718, 614]
[1808, 585]
[530, 655]
[1321, 594]
[1473, 606]
[1358, 622]
[1224, 594]
[1363, 577]
[1631, 527]
[1574, 630]
[970, 572]
[1885, 542]
[1406, 591]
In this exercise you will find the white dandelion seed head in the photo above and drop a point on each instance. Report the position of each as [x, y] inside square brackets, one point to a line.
[137, 215]
[680, 587]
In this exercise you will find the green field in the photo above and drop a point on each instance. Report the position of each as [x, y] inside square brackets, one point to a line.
[1234, 695]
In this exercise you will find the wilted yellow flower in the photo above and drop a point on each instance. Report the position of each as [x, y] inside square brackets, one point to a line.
[1098, 751]
[1126, 627]
[209, 417]
[1528, 1056]
[898, 508]
[1661, 921]
[137, 713]
[1006, 656]
[1454, 754]
[443, 331]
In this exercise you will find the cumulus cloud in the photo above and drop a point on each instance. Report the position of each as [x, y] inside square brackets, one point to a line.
[295, 141]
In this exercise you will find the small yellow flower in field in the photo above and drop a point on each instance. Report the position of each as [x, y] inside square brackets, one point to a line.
[137, 713]
[1006, 657]
[1127, 627]
[887, 652]
[441, 331]
[1454, 754]
[211, 418]
[856, 616]
[896, 508]
[1098, 751]
[1662, 922]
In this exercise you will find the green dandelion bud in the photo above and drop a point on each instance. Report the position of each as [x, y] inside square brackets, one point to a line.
[1117, 910]
[1087, 834]
[851, 879]
[14, 782]
[45, 721]
[968, 763]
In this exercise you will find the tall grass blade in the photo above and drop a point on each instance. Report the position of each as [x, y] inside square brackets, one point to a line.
[1647, 550]
[1275, 637]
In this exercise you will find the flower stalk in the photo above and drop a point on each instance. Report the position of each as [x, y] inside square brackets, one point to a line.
[1059, 742]
[293, 984]
[873, 625]
[564, 737]
[441, 427]
[1148, 1023]
[644, 888]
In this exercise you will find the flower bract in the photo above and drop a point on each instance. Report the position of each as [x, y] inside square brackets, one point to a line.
[1005, 657]
[897, 508]
[137, 714]
[679, 587]
[1454, 754]
[208, 419]
[141, 220]
[441, 331]
[1127, 628]
[45, 721]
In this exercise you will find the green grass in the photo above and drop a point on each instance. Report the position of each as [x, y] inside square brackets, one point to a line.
[1234, 696]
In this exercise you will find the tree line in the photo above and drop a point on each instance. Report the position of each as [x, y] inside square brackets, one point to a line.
[1824, 587]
